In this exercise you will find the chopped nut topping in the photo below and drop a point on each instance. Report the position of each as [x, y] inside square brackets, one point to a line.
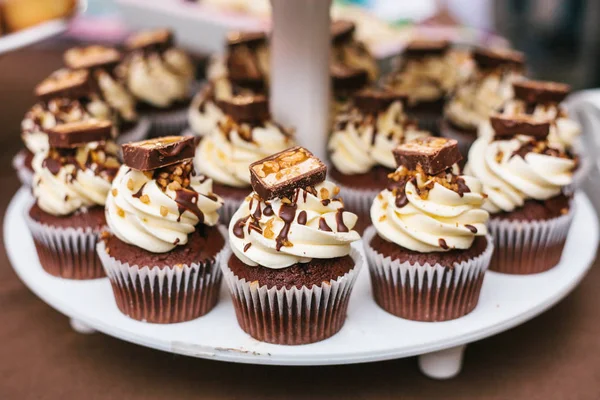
[145, 199]
[164, 211]
[130, 184]
[120, 212]
[114, 192]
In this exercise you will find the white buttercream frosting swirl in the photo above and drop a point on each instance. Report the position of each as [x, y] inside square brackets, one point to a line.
[435, 219]
[142, 213]
[281, 234]
[512, 172]
[359, 142]
[116, 95]
[228, 151]
[61, 188]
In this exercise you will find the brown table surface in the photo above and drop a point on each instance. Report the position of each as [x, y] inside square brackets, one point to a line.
[554, 356]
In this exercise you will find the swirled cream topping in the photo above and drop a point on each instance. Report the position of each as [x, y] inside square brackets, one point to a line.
[228, 151]
[282, 232]
[157, 210]
[116, 95]
[473, 102]
[57, 111]
[361, 141]
[518, 169]
[160, 79]
[430, 213]
[68, 180]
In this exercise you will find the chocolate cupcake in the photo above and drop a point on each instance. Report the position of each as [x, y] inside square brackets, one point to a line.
[163, 250]
[101, 62]
[361, 145]
[428, 250]
[64, 97]
[292, 269]
[524, 177]
[426, 72]
[160, 76]
[488, 89]
[244, 135]
[71, 182]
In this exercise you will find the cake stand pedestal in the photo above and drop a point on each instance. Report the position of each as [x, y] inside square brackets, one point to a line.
[370, 334]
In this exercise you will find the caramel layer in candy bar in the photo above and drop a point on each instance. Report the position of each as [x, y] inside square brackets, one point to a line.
[72, 134]
[91, 57]
[157, 153]
[541, 92]
[65, 83]
[158, 39]
[493, 58]
[277, 176]
[506, 127]
[433, 154]
[373, 101]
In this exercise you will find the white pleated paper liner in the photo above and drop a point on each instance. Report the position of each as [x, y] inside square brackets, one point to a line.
[24, 174]
[139, 132]
[426, 292]
[164, 295]
[292, 316]
[528, 247]
[66, 252]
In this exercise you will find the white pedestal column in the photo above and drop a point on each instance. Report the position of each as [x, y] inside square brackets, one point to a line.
[300, 47]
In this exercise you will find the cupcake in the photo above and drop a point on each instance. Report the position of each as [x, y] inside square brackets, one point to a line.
[65, 96]
[244, 135]
[163, 247]
[292, 269]
[427, 72]
[488, 89]
[524, 177]
[350, 52]
[427, 249]
[243, 71]
[160, 77]
[345, 81]
[101, 61]
[71, 182]
[360, 147]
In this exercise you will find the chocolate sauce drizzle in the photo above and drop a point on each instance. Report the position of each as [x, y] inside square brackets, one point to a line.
[287, 213]
[238, 227]
[139, 193]
[339, 219]
[323, 225]
[471, 228]
[302, 218]
[187, 200]
[443, 244]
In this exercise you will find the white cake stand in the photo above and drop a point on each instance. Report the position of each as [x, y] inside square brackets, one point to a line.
[370, 334]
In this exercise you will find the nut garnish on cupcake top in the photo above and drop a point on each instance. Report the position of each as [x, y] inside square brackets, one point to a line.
[488, 89]
[428, 207]
[541, 101]
[65, 96]
[155, 71]
[518, 163]
[157, 199]
[244, 135]
[293, 215]
[78, 168]
[365, 134]
[101, 62]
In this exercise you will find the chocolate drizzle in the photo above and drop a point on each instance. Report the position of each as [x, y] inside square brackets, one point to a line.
[462, 187]
[287, 213]
[443, 244]
[247, 246]
[339, 219]
[52, 165]
[238, 227]
[187, 200]
[471, 228]
[268, 211]
[323, 225]
[302, 218]
[139, 193]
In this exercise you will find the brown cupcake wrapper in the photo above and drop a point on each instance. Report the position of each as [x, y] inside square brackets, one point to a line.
[24, 174]
[528, 247]
[429, 293]
[292, 316]
[139, 132]
[66, 252]
[163, 295]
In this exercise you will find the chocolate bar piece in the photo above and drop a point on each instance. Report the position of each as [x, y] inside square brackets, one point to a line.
[346, 79]
[158, 39]
[246, 108]
[493, 58]
[73, 134]
[277, 176]
[507, 126]
[342, 30]
[89, 57]
[157, 153]
[65, 83]
[250, 39]
[541, 92]
[374, 101]
[421, 48]
[433, 154]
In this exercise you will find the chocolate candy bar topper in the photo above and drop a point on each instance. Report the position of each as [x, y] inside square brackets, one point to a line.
[433, 154]
[157, 153]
